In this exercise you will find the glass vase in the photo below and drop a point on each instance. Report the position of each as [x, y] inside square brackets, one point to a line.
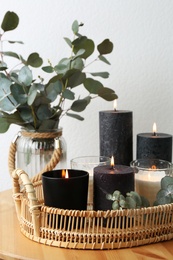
[34, 150]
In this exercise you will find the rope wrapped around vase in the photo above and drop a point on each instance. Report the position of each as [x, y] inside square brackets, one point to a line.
[55, 156]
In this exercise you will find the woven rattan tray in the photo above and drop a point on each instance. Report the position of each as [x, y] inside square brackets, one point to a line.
[85, 229]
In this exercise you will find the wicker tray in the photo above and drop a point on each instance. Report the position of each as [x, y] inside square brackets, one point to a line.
[85, 229]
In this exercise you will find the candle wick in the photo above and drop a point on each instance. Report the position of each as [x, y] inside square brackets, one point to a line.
[154, 134]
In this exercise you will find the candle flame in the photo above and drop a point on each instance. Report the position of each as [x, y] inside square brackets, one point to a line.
[112, 161]
[154, 128]
[115, 104]
[65, 174]
[153, 167]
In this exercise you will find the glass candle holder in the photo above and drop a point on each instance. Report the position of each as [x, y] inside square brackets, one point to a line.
[148, 175]
[88, 163]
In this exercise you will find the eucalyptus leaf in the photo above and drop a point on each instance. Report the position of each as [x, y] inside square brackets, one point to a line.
[93, 86]
[68, 41]
[115, 205]
[25, 76]
[131, 203]
[8, 104]
[100, 74]
[77, 64]
[18, 93]
[75, 27]
[136, 197]
[12, 42]
[48, 69]
[116, 194]
[43, 112]
[109, 196]
[34, 60]
[68, 94]
[53, 89]
[32, 94]
[3, 66]
[76, 116]
[102, 58]
[26, 114]
[166, 181]
[79, 105]
[10, 21]
[170, 189]
[85, 44]
[76, 79]
[4, 125]
[11, 54]
[107, 94]
[105, 47]
[4, 87]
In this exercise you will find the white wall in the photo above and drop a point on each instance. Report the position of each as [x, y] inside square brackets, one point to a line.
[141, 63]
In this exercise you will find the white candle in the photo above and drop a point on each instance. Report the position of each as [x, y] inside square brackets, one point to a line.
[147, 183]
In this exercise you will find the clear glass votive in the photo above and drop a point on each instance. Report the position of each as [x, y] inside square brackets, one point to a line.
[148, 175]
[88, 163]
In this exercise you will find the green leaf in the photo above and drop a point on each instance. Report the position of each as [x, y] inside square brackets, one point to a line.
[18, 93]
[68, 41]
[136, 197]
[80, 104]
[48, 69]
[79, 54]
[34, 60]
[26, 114]
[75, 116]
[77, 64]
[4, 87]
[102, 58]
[53, 89]
[93, 86]
[76, 79]
[170, 188]
[145, 202]
[107, 94]
[25, 76]
[32, 94]
[131, 203]
[165, 181]
[115, 205]
[8, 103]
[11, 54]
[4, 125]
[3, 66]
[20, 42]
[85, 44]
[48, 124]
[75, 27]
[44, 112]
[68, 94]
[101, 74]
[10, 21]
[116, 194]
[105, 47]
[109, 196]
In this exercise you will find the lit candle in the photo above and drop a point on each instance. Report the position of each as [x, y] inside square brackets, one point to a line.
[109, 178]
[116, 130]
[154, 145]
[65, 189]
[148, 175]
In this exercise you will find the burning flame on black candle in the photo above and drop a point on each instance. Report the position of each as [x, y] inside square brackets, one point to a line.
[65, 174]
[115, 104]
[154, 129]
[112, 162]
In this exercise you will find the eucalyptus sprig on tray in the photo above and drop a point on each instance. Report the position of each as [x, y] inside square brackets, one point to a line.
[132, 200]
[39, 106]
[165, 194]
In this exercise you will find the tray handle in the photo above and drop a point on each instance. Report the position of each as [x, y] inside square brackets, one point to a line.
[34, 205]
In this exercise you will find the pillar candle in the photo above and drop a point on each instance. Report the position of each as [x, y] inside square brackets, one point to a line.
[107, 179]
[154, 146]
[116, 135]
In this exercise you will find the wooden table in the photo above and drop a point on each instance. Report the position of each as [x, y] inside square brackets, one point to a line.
[14, 245]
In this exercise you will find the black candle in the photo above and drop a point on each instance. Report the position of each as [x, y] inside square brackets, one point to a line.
[116, 135]
[65, 193]
[107, 179]
[154, 146]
